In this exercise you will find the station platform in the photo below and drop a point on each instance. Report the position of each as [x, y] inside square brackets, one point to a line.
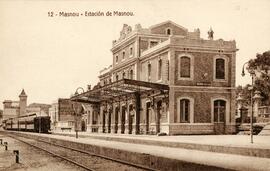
[229, 144]
[163, 157]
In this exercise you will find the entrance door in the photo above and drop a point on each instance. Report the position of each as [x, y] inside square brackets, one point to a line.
[219, 116]
[123, 119]
[83, 126]
[103, 122]
[116, 119]
[109, 122]
[148, 111]
[131, 117]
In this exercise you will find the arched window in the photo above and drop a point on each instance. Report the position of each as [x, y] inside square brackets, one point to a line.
[185, 68]
[220, 68]
[149, 72]
[124, 75]
[219, 110]
[131, 74]
[168, 32]
[184, 110]
[116, 77]
[159, 69]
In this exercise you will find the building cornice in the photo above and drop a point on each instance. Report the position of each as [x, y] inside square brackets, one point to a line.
[203, 87]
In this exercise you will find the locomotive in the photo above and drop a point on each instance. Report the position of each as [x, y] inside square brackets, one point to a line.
[30, 123]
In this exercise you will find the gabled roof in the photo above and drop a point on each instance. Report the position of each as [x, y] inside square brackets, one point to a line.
[166, 22]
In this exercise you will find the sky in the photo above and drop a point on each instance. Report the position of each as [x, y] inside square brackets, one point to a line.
[51, 56]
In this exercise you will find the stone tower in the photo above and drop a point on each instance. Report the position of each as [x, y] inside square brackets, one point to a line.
[23, 103]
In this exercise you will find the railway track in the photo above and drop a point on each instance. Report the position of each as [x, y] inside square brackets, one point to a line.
[83, 159]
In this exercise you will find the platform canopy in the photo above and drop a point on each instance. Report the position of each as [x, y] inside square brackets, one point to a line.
[123, 87]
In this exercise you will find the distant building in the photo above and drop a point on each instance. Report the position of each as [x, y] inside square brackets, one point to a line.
[39, 108]
[63, 117]
[19, 108]
[165, 79]
[15, 108]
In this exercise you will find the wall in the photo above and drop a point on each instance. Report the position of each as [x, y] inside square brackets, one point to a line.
[154, 68]
[203, 63]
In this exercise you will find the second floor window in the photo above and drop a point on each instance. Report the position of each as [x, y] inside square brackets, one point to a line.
[116, 59]
[116, 77]
[130, 51]
[185, 67]
[149, 72]
[124, 75]
[131, 74]
[220, 68]
[159, 69]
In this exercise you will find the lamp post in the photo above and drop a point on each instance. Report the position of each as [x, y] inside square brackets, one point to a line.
[76, 113]
[252, 74]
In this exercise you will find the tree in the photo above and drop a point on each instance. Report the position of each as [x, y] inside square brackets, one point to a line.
[261, 66]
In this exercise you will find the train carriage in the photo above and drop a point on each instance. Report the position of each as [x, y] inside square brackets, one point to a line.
[30, 123]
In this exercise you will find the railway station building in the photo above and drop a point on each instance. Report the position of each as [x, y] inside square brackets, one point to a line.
[165, 79]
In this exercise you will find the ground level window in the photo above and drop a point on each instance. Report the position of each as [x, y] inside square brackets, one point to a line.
[184, 110]
[219, 110]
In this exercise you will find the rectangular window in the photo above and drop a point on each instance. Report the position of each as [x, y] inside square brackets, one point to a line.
[123, 54]
[149, 72]
[159, 69]
[184, 110]
[116, 59]
[168, 70]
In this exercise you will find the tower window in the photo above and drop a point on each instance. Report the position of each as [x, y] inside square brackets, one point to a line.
[168, 32]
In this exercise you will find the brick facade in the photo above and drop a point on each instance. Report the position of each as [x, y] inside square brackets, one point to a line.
[154, 55]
